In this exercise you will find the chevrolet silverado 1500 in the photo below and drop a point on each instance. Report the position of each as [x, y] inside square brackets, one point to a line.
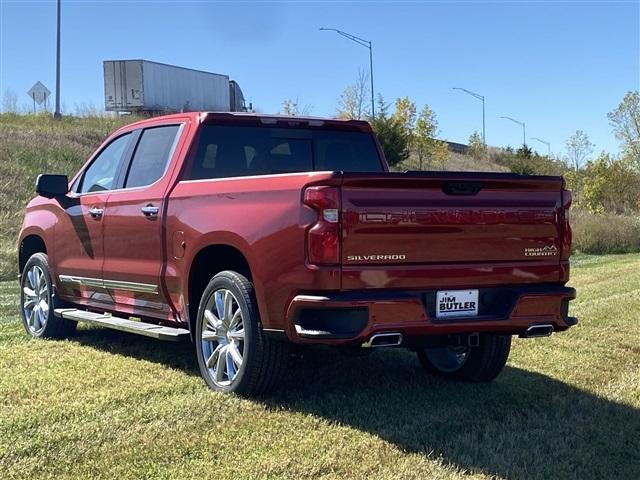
[251, 233]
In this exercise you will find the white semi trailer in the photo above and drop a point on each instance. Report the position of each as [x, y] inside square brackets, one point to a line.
[141, 86]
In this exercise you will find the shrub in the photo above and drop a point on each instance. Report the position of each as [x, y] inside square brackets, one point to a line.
[612, 186]
[605, 233]
[477, 148]
[525, 162]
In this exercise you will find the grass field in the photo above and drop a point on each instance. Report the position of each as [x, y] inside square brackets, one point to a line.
[111, 405]
[34, 144]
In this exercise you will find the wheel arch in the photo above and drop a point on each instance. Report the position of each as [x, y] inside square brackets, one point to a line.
[210, 260]
[29, 245]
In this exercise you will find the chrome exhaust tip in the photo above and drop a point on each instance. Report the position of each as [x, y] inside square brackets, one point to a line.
[391, 339]
[534, 331]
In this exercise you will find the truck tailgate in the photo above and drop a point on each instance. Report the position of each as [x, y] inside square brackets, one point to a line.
[423, 223]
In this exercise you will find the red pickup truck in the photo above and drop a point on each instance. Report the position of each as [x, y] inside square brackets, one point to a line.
[253, 233]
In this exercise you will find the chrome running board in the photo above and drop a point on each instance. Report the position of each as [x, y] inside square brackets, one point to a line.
[124, 325]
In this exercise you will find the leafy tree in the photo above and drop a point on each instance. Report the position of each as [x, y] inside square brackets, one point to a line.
[578, 149]
[353, 103]
[426, 127]
[405, 115]
[440, 154]
[392, 135]
[611, 185]
[625, 120]
[477, 148]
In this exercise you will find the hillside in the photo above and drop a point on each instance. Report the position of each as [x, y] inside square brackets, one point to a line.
[457, 163]
[34, 144]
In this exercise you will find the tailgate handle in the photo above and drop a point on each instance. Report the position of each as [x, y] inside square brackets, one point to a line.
[461, 188]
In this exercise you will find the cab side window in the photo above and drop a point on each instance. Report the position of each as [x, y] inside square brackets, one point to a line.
[151, 156]
[101, 174]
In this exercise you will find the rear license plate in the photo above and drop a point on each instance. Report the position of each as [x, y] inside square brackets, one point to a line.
[457, 303]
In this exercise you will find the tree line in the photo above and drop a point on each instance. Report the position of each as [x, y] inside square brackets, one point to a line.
[602, 183]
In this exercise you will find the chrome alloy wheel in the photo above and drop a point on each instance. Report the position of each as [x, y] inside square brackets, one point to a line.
[35, 300]
[447, 359]
[222, 337]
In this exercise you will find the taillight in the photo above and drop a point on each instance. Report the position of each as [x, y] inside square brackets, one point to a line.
[323, 238]
[565, 226]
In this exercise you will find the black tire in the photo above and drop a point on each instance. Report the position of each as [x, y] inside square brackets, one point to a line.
[38, 322]
[264, 359]
[480, 364]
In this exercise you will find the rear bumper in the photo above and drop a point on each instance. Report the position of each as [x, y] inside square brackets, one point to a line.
[352, 317]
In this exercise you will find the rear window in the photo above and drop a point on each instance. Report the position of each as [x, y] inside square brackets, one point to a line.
[231, 151]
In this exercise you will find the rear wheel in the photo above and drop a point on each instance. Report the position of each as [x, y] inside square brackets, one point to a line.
[481, 363]
[38, 301]
[234, 354]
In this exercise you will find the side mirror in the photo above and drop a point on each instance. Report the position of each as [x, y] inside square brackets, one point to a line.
[52, 186]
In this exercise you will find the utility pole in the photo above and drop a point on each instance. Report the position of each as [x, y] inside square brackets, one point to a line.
[479, 97]
[366, 44]
[57, 114]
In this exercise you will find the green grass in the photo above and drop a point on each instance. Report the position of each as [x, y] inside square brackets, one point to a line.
[111, 405]
[34, 144]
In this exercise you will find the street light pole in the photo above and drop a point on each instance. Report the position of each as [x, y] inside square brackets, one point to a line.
[56, 114]
[548, 144]
[364, 43]
[524, 130]
[373, 103]
[479, 97]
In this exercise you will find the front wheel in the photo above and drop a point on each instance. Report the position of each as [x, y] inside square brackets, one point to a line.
[234, 354]
[38, 301]
[482, 363]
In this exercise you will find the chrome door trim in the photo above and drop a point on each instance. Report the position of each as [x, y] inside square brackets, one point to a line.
[85, 281]
[133, 286]
[110, 284]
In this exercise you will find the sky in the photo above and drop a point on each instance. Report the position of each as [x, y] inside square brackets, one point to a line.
[557, 66]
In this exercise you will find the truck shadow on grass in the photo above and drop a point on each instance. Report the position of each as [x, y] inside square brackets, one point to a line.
[523, 425]
[178, 355]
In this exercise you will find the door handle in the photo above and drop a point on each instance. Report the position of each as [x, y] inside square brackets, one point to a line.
[96, 212]
[149, 211]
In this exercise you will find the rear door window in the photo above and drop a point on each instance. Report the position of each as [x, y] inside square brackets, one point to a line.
[151, 155]
[225, 151]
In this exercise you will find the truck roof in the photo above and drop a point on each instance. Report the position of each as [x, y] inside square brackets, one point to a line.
[261, 119]
[166, 65]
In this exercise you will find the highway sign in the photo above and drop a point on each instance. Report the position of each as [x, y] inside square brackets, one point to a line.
[39, 93]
